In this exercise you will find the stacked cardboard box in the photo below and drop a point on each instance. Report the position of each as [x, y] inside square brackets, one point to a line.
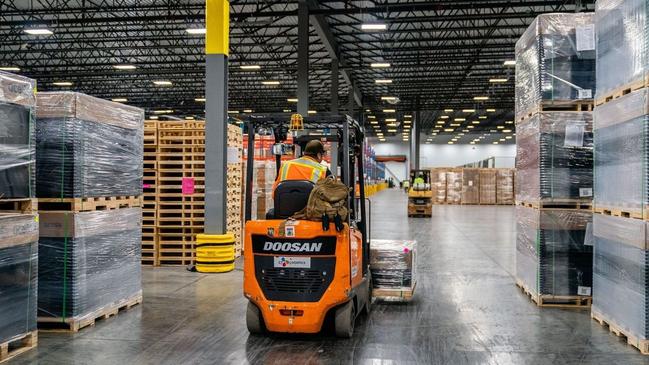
[471, 186]
[488, 186]
[485, 186]
[438, 183]
[505, 186]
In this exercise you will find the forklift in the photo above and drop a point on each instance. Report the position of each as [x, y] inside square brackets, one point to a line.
[420, 194]
[299, 274]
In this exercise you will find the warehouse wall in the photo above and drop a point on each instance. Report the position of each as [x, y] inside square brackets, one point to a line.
[445, 155]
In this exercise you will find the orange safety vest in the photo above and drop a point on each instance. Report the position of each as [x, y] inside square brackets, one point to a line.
[303, 168]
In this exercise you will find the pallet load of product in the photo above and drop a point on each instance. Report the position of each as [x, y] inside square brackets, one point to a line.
[488, 179]
[555, 64]
[554, 158]
[454, 186]
[438, 183]
[393, 264]
[89, 265]
[17, 104]
[18, 270]
[87, 147]
[505, 186]
[471, 186]
[264, 174]
[554, 255]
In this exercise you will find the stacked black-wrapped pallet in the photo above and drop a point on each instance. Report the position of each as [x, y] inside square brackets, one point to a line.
[18, 219]
[555, 81]
[620, 272]
[394, 269]
[89, 185]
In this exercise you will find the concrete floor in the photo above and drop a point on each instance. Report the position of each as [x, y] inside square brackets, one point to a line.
[467, 310]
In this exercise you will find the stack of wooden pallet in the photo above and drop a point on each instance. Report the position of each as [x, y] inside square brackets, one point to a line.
[179, 195]
[150, 194]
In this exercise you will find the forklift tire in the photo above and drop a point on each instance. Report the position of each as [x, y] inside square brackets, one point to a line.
[368, 304]
[254, 320]
[345, 319]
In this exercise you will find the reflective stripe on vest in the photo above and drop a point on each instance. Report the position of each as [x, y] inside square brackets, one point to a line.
[316, 170]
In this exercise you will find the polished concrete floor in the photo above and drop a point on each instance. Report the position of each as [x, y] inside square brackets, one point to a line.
[466, 310]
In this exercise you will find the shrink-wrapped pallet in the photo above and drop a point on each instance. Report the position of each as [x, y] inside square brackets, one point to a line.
[88, 262]
[471, 186]
[555, 61]
[620, 277]
[622, 45]
[438, 183]
[554, 253]
[262, 195]
[393, 264]
[87, 147]
[505, 186]
[554, 157]
[621, 135]
[454, 186]
[18, 273]
[488, 186]
[17, 104]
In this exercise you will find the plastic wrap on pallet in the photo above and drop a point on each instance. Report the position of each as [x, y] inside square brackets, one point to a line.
[262, 195]
[505, 186]
[554, 253]
[18, 273]
[393, 264]
[620, 276]
[87, 147]
[622, 44]
[438, 181]
[454, 186]
[621, 134]
[554, 157]
[471, 186]
[488, 186]
[88, 261]
[17, 154]
[555, 60]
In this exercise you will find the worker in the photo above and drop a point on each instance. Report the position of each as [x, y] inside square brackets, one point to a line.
[308, 167]
[419, 180]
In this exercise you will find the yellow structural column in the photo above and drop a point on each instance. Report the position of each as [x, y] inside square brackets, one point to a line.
[216, 252]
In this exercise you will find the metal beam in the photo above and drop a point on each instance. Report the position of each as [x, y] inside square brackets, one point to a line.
[303, 58]
[334, 86]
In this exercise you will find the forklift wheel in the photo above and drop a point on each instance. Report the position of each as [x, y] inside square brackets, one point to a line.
[345, 318]
[368, 305]
[254, 320]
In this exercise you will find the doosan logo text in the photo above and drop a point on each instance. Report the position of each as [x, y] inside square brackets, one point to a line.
[293, 247]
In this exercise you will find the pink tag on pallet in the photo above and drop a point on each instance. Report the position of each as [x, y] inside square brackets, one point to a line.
[188, 185]
[146, 186]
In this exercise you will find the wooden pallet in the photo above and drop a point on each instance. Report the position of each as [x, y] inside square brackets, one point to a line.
[623, 90]
[401, 295]
[17, 345]
[22, 205]
[618, 212]
[556, 106]
[641, 344]
[556, 301]
[78, 323]
[559, 204]
[88, 204]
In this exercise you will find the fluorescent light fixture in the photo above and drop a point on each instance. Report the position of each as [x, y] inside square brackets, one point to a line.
[448, 129]
[388, 98]
[391, 119]
[247, 110]
[465, 131]
[501, 127]
[392, 130]
[407, 116]
[475, 122]
[189, 118]
[154, 117]
[496, 81]
[459, 119]
[196, 30]
[509, 63]
[10, 68]
[509, 122]
[389, 111]
[371, 117]
[444, 117]
[162, 83]
[233, 112]
[391, 124]
[368, 111]
[468, 110]
[495, 142]
[163, 111]
[433, 134]
[374, 122]
[491, 110]
[480, 98]
[502, 140]
[440, 122]
[450, 142]
[455, 124]
[374, 26]
[200, 100]
[124, 67]
[407, 121]
[482, 117]
[38, 31]
[287, 110]
[120, 100]
[62, 83]
[472, 142]
[250, 67]
[383, 81]
[379, 65]
[312, 111]
[507, 130]
[470, 126]
[270, 82]
[448, 110]
[292, 100]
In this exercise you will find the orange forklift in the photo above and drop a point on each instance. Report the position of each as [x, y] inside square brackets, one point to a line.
[301, 275]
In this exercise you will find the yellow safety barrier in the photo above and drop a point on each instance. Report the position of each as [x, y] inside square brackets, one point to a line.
[215, 253]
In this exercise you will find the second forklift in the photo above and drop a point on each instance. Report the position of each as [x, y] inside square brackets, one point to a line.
[420, 194]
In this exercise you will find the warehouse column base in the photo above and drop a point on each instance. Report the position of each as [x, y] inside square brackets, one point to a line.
[215, 253]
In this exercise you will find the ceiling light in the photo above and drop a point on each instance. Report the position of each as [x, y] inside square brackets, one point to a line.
[162, 83]
[433, 134]
[470, 126]
[407, 116]
[383, 81]
[287, 110]
[391, 124]
[389, 111]
[247, 110]
[448, 110]
[440, 122]
[407, 121]
[508, 137]
[391, 120]
[443, 117]
[454, 139]
[448, 130]
[374, 122]
[465, 131]
[124, 67]
[189, 118]
[196, 30]
[38, 31]
[497, 80]
[388, 98]
[455, 124]
[475, 122]
[502, 140]
[200, 100]
[450, 142]
[250, 67]
[380, 65]
[371, 117]
[471, 142]
[163, 111]
[495, 142]
[491, 110]
[468, 110]
[120, 100]
[507, 130]
[292, 100]
[10, 68]
[482, 117]
[392, 130]
[480, 98]
[312, 111]
[459, 119]
[154, 117]
[62, 83]
[500, 127]
[510, 63]
[270, 82]
[233, 112]
[374, 26]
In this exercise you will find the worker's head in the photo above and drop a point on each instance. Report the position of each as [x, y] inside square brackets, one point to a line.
[315, 149]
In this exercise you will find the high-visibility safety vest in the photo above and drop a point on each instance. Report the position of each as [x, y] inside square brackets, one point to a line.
[303, 168]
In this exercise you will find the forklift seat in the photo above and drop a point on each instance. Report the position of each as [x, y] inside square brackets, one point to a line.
[290, 197]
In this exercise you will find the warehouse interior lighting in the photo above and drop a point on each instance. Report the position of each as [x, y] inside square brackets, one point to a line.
[374, 26]
[495, 81]
[475, 122]
[495, 142]
[312, 111]
[509, 63]
[509, 122]
[459, 119]
[383, 81]
[508, 137]
[472, 142]
[450, 142]
[292, 100]
[233, 112]
[407, 116]
[444, 117]
[250, 67]
[371, 117]
[407, 121]
[448, 110]
[507, 130]
[391, 124]
[287, 110]
[9, 68]
[388, 98]
[440, 122]
[391, 119]
[392, 131]
[502, 140]
[448, 129]
[470, 126]
[490, 110]
[480, 98]
[455, 124]
[163, 111]
[189, 118]
[374, 122]
[62, 83]
[270, 82]
[120, 100]
[124, 67]
[196, 30]
[38, 31]
[379, 65]
[247, 110]
[482, 117]
[468, 110]
[389, 111]
[501, 127]
[154, 117]
[162, 83]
